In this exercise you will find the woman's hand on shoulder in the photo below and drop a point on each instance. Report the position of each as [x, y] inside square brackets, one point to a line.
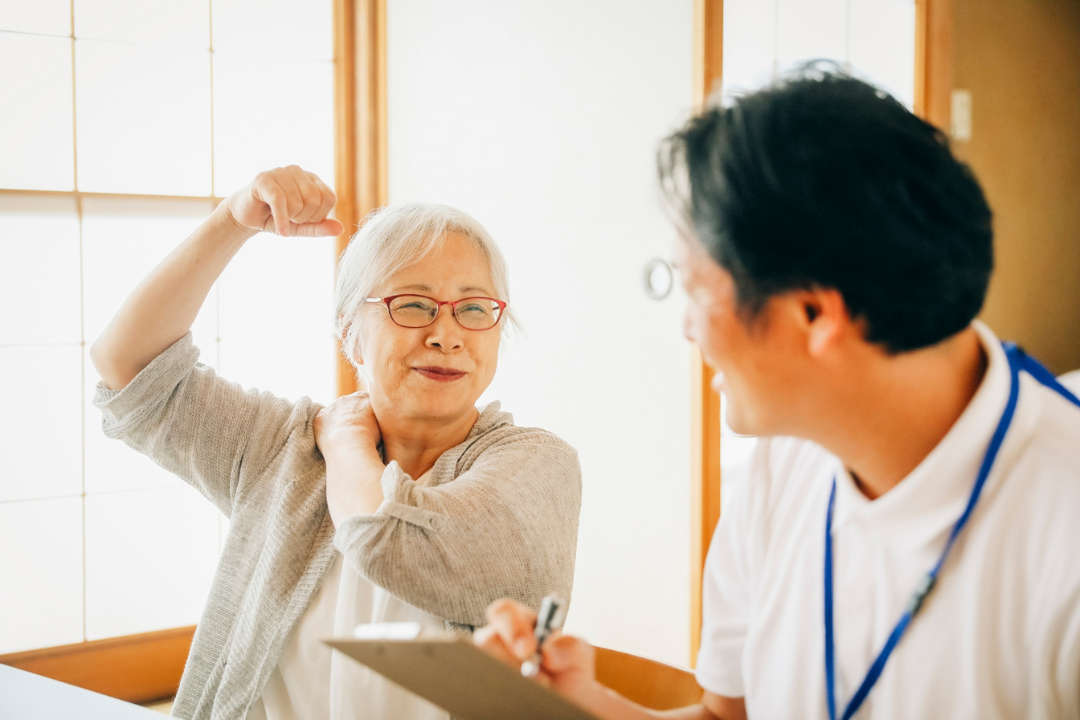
[348, 435]
[288, 201]
[348, 423]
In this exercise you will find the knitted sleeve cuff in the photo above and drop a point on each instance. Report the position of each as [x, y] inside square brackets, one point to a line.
[125, 407]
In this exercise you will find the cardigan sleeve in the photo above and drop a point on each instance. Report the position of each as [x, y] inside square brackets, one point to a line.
[506, 527]
[210, 432]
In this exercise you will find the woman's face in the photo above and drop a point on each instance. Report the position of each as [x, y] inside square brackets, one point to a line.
[436, 372]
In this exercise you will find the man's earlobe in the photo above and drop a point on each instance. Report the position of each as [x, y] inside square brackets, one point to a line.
[827, 316]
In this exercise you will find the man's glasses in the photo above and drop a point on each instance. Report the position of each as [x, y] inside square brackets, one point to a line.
[417, 311]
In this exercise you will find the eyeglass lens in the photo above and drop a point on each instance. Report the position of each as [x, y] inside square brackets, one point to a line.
[416, 311]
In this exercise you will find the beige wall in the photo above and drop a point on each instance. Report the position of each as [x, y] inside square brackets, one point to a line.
[1021, 61]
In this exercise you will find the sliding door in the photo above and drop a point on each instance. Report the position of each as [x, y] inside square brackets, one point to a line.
[542, 120]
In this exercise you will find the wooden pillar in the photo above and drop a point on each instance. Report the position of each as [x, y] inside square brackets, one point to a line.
[934, 61]
[359, 124]
[705, 403]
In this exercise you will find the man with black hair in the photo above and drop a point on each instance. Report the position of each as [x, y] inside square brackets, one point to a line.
[905, 545]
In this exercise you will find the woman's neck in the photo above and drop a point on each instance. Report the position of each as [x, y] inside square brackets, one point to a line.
[895, 412]
[417, 444]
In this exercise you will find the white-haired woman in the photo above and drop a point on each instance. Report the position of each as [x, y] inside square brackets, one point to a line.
[401, 503]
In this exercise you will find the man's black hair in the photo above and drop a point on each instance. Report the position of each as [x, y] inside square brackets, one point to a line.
[822, 180]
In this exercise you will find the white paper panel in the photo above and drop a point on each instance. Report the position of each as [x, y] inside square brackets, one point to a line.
[36, 141]
[41, 441]
[542, 120]
[269, 113]
[39, 270]
[41, 600]
[750, 45]
[150, 557]
[143, 117]
[48, 17]
[809, 31]
[883, 45]
[178, 23]
[276, 316]
[275, 28]
[123, 240]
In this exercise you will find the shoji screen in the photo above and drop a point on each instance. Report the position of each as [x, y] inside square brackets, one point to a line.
[123, 125]
[542, 119]
[875, 39]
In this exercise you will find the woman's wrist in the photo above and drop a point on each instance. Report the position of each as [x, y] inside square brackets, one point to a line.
[351, 447]
[353, 482]
[228, 228]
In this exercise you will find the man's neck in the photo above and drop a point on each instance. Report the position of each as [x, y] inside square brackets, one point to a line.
[895, 412]
[417, 444]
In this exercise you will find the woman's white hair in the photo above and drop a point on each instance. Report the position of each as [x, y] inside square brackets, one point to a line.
[395, 237]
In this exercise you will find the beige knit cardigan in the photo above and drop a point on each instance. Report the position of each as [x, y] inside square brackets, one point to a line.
[499, 518]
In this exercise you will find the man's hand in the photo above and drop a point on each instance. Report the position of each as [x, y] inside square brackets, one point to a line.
[569, 667]
[288, 201]
[569, 663]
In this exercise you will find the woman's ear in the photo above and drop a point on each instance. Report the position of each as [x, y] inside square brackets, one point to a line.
[352, 353]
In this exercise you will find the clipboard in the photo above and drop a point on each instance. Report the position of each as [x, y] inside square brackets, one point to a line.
[454, 674]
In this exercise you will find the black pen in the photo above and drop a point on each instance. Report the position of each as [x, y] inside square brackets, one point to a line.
[550, 618]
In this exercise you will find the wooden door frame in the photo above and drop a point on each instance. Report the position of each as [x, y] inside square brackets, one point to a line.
[933, 99]
[934, 61]
[359, 126]
[704, 402]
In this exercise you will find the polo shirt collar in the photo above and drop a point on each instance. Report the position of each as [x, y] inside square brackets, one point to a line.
[929, 500]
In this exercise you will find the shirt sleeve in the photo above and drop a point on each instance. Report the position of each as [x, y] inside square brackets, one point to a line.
[505, 527]
[726, 594]
[211, 433]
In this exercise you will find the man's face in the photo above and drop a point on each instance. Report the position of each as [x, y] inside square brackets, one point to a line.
[752, 357]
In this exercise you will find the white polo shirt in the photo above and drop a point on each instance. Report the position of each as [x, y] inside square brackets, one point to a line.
[999, 636]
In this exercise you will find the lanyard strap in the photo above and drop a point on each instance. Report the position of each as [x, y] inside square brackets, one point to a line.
[1018, 361]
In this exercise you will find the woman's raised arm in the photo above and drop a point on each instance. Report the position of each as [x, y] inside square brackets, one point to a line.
[288, 201]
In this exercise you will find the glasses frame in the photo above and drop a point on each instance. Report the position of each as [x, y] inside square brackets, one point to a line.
[385, 301]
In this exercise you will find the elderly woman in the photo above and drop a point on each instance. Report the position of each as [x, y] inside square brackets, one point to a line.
[401, 503]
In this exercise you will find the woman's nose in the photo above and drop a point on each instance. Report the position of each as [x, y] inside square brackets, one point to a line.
[445, 333]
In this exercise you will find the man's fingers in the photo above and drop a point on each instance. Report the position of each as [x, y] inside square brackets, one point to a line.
[565, 653]
[489, 640]
[514, 623]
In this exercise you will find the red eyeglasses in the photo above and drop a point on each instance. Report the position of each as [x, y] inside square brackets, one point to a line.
[417, 311]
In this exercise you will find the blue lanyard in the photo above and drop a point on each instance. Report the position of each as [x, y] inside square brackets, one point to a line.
[1018, 361]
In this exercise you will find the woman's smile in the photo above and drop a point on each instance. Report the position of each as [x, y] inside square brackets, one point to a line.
[440, 374]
